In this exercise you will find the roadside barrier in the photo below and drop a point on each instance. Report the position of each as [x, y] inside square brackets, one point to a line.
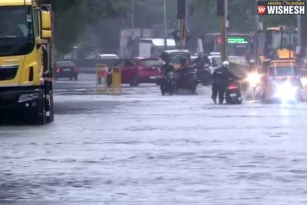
[101, 78]
[102, 73]
[116, 81]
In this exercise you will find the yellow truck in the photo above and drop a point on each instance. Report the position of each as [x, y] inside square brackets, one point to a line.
[277, 43]
[26, 61]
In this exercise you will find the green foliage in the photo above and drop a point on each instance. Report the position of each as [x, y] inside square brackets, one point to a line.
[73, 16]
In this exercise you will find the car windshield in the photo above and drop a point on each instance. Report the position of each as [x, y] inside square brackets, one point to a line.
[16, 30]
[150, 63]
[65, 64]
[283, 71]
[176, 58]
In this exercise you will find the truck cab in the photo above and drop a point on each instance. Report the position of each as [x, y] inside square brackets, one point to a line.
[26, 61]
[277, 43]
[282, 79]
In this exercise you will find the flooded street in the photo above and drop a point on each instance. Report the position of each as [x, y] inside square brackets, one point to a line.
[144, 148]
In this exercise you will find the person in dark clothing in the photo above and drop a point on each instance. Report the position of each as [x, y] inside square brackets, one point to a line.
[166, 67]
[184, 67]
[221, 77]
[200, 61]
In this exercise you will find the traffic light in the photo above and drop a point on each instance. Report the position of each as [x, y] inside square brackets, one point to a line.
[181, 9]
[220, 8]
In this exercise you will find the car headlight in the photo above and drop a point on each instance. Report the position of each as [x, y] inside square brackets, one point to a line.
[285, 91]
[28, 97]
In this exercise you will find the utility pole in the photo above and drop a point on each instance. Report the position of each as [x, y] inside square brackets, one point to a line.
[226, 28]
[181, 15]
[221, 13]
[255, 54]
[299, 36]
[186, 23]
[132, 14]
[165, 25]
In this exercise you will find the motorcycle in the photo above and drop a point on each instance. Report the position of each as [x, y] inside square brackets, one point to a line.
[186, 80]
[165, 83]
[233, 93]
[254, 85]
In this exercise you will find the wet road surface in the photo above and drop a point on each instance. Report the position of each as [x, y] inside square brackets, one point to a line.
[144, 148]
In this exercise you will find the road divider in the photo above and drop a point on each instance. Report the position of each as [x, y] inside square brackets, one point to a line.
[103, 75]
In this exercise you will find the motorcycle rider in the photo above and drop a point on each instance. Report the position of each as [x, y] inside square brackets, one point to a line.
[204, 74]
[167, 67]
[252, 65]
[200, 61]
[180, 72]
[221, 77]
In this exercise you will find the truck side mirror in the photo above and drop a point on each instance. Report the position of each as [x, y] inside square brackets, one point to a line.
[46, 32]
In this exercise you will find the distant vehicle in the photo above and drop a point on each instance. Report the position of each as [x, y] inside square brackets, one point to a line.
[174, 57]
[239, 44]
[66, 69]
[138, 70]
[154, 47]
[108, 56]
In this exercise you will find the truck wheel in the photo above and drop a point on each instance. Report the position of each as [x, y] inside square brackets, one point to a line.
[50, 117]
[40, 118]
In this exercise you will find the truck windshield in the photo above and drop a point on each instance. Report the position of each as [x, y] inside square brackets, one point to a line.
[283, 71]
[287, 40]
[16, 30]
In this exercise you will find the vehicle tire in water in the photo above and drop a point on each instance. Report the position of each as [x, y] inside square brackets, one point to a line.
[134, 82]
[171, 91]
[162, 91]
[40, 116]
[193, 90]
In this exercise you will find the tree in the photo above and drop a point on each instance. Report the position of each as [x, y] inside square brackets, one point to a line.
[72, 17]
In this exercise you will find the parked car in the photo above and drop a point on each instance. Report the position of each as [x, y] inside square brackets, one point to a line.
[66, 69]
[138, 70]
[108, 56]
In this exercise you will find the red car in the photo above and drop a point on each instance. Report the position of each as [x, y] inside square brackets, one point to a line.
[138, 70]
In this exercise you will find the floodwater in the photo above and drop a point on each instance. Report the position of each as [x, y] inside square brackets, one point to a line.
[144, 148]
